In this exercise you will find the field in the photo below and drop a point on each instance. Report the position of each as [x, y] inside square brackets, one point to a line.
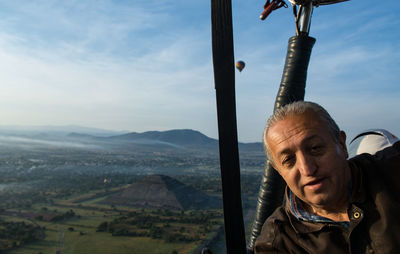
[178, 231]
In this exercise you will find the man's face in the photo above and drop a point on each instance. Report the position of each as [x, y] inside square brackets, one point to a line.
[311, 162]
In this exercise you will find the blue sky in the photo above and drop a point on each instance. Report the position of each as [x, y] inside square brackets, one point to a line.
[147, 65]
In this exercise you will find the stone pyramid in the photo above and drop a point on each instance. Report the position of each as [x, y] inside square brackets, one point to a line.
[163, 192]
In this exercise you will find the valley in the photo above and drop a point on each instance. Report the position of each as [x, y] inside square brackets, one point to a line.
[82, 196]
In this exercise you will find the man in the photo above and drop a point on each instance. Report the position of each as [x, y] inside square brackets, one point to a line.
[331, 205]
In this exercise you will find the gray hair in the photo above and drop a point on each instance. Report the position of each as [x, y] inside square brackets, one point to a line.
[299, 108]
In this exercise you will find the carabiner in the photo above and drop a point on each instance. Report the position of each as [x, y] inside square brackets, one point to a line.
[271, 6]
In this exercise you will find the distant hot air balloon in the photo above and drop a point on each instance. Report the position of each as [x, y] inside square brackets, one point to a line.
[240, 65]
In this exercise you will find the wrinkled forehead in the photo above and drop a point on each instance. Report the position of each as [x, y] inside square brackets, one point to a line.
[295, 123]
[290, 126]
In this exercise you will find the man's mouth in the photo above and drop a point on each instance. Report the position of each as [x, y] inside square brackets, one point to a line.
[315, 184]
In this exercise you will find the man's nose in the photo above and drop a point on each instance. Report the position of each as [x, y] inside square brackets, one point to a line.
[306, 164]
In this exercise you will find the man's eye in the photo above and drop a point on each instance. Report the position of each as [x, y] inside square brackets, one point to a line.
[316, 149]
[287, 161]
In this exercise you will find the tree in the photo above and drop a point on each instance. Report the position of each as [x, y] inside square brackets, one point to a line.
[103, 227]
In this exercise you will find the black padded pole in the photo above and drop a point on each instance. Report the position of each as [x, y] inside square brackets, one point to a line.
[292, 88]
[294, 75]
[224, 77]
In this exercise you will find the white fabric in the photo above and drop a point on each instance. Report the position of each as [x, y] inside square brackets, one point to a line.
[371, 141]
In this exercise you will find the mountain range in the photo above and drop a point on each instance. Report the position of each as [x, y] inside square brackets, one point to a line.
[183, 138]
[178, 139]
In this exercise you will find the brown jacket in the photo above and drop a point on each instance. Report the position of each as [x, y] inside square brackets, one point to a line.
[374, 215]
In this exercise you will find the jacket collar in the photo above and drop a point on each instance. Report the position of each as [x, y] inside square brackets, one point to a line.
[358, 194]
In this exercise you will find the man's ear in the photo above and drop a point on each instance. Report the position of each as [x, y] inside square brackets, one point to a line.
[342, 143]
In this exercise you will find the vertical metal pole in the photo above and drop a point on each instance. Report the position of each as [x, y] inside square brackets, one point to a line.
[305, 18]
[224, 77]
